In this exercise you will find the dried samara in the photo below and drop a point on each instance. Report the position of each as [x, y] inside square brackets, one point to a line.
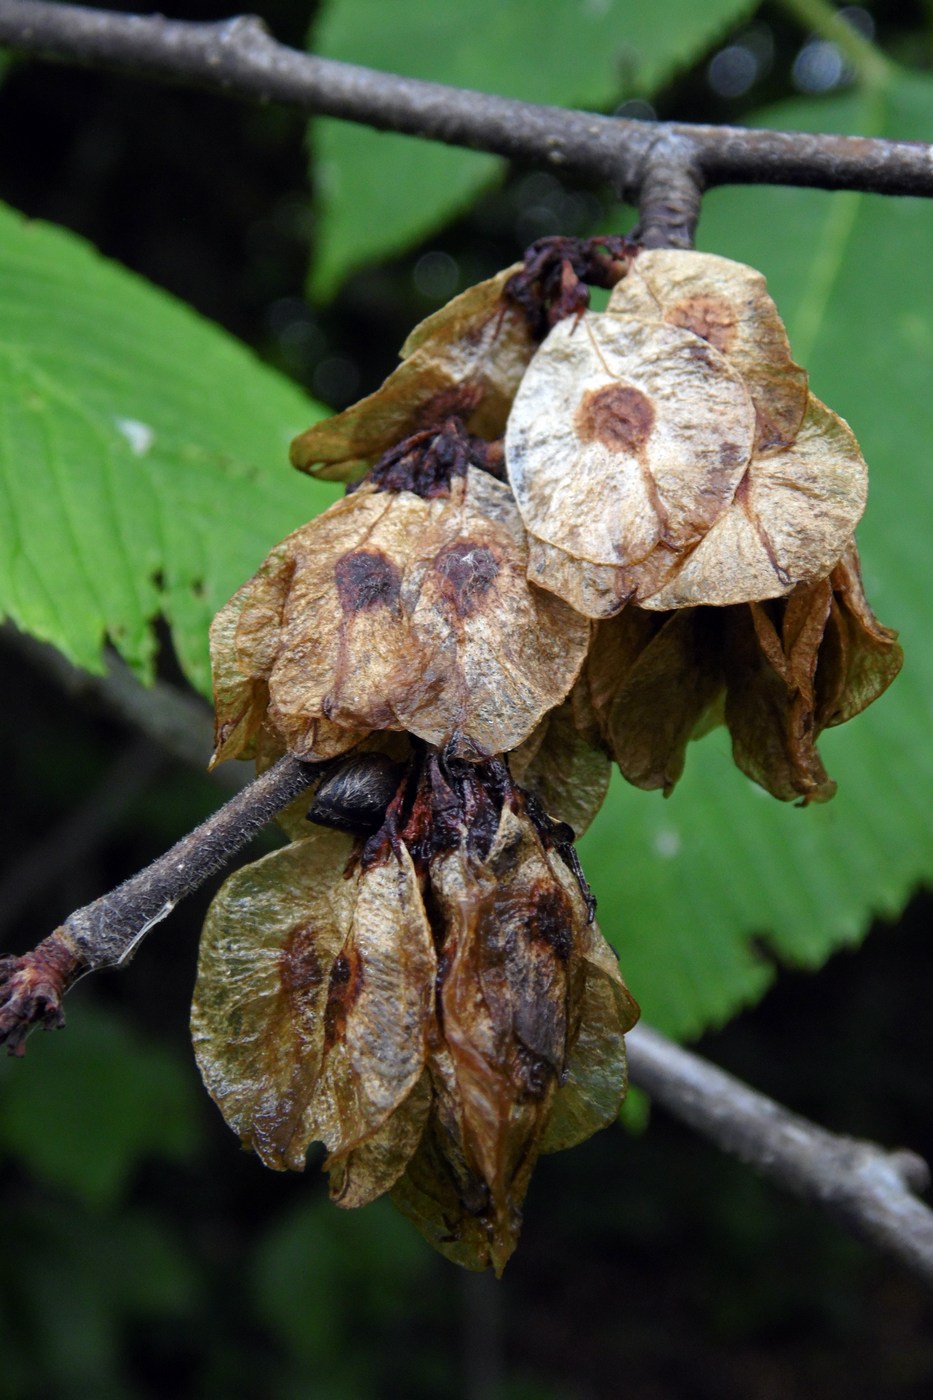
[675, 475]
[434, 1003]
[569, 538]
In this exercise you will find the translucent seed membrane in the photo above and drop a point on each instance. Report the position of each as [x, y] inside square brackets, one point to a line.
[391, 612]
[667, 453]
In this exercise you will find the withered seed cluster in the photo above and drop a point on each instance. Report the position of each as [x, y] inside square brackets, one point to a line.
[569, 537]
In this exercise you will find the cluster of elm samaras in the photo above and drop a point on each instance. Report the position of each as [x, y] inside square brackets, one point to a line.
[569, 538]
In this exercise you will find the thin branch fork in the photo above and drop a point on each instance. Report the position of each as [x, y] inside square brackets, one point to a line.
[108, 932]
[870, 1191]
[240, 58]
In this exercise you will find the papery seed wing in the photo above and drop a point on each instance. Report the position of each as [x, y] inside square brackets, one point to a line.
[312, 1005]
[448, 1205]
[467, 359]
[465, 316]
[872, 656]
[595, 590]
[652, 686]
[361, 1174]
[727, 304]
[344, 634]
[244, 642]
[500, 652]
[770, 665]
[626, 436]
[504, 993]
[378, 1013]
[563, 769]
[269, 943]
[790, 522]
[595, 1081]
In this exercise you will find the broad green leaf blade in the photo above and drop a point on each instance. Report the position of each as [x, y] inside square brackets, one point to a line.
[381, 193]
[689, 887]
[143, 455]
[82, 1115]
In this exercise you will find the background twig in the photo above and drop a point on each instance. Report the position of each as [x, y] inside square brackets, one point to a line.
[178, 721]
[239, 57]
[108, 932]
[870, 1191]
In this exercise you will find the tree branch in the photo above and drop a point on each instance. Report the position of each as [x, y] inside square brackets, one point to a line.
[177, 720]
[108, 932]
[239, 57]
[865, 1188]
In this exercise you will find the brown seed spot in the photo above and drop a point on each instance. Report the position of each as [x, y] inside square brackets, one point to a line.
[550, 919]
[711, 318]
[300, 974]
[468, 570]
[366, 579]
[346, 980]
[731, 454]
[619, 416]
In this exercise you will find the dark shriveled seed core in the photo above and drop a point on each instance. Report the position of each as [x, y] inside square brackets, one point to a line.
[618, 415]
[469, 570]
[346, 983]
[711, 318]
[366, 579]
[551, 920]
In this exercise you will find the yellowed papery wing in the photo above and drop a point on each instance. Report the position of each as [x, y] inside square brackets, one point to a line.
[790, 522]
[268, 947]
[313, 1002]
[379, 1012]
[361, 1174]
[626, 436]
[727, 304]
[467, 359]
[595, 1080]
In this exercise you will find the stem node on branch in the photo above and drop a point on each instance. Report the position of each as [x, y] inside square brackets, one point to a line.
[238, 57]
[32, 987]
[668, 196]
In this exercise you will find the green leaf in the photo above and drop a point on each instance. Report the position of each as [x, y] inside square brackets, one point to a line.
[381, 193]
[79, 1277]
[689, 887]
[83, 1112]
[143, 455]
[324, 1277]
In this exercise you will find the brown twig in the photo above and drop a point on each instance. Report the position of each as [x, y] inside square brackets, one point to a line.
[108, 932]
[869, 1190]
[240, 58]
